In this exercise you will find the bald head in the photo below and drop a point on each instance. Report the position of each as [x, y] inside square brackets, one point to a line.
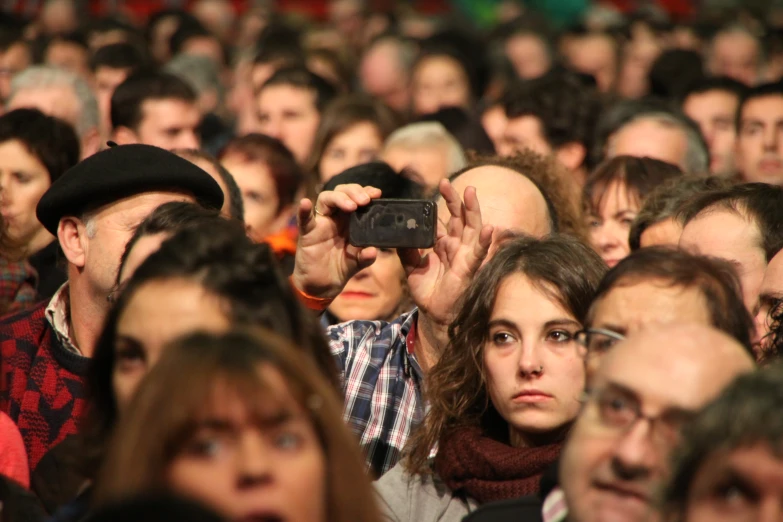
[509, 201]
[617, 455]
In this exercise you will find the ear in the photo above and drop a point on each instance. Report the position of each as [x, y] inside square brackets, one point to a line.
[73, 239]
[571, 155]
[124, 136]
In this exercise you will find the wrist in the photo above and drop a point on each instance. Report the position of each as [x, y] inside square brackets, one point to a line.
[312, 302]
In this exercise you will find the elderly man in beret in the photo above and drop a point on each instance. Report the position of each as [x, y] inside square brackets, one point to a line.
[93, 210]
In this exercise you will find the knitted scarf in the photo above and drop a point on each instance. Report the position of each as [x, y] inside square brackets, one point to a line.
[488, 470]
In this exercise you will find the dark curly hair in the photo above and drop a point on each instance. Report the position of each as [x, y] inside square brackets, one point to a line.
[244, 275]
[567, 108]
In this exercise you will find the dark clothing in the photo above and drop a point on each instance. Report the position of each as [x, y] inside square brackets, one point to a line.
[50, 276]
[18, 504]
[57, 479]
[41, 383]
[525, 509]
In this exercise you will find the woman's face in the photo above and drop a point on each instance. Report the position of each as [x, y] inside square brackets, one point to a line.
[259, 195]
[23, 180]
[374, 293]
[535, 370]
[609, 230]
[157, 313]
[438, 82]
[272, 468]
[360, 143]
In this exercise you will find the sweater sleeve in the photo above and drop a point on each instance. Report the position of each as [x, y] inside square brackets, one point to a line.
[13, 457]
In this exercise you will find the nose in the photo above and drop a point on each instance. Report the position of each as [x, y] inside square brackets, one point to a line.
[607, 237]
[189, 140]
[530, 362]
[771, 139]
[254, 462]
[634, 456]
[272, 128]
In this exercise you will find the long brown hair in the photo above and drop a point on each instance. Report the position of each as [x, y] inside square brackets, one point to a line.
[562, 267]
[172, 397]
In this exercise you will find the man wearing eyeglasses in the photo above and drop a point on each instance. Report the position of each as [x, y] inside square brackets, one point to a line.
[640, 394]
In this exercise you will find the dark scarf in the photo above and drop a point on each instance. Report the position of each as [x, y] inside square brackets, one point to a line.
[488, 470]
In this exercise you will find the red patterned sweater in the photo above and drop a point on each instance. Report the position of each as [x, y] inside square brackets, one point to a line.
[41, 383]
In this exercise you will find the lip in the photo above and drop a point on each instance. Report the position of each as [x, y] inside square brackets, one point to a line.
[611, 262]
[771, 164]
[531, 396]
[622, 490]
[355, 295]
[261, 517]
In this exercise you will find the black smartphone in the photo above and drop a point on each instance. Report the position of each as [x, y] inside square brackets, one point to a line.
[394, 223]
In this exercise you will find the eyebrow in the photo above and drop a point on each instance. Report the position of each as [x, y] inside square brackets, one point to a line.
[668, 410]
[565, 321]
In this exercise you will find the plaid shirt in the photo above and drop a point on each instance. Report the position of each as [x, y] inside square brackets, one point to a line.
[555, 508]
[17, 285]
[381, 383]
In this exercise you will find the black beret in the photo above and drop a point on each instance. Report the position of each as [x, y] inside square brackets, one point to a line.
[120, 172]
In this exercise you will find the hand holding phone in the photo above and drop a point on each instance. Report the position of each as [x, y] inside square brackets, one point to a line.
[394, 223]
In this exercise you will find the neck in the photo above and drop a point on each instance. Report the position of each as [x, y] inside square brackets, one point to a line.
[39, 241]
[519, 439]
[87, 315]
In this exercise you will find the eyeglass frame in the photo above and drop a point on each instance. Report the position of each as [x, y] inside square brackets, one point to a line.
[582, 335]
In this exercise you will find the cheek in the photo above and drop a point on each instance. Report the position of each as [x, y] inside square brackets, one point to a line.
[206, 481]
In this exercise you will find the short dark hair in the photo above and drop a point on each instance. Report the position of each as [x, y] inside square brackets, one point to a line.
[285, 171]
[759, 91]
[715, 279]
[639, 175]
[301, 78]
[466, 128]
[120, 56]
[666, 200]
[130, 95]
[279, 43]
[566, 108]
[52, 141]
[219, 256]
[715, 83]
[759, 202]
[189, 29]
[169, 218]
[745, 414]
[673, 71]
[466, 50]
[235, 203]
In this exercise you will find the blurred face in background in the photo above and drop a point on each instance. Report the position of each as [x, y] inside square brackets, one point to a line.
[106, 80]
[23, 180]
[430, 164]
[715, 112]
[595, 55]
[759, 151]
[166, 123]
[736, 54]
[638, 57]
[653, 139]
[375, 293]
[609, 228]
[13, 60]
[359, 143]
[69, 56]
[289, 113]
[263, 215]
[439, 81]
[529, 55]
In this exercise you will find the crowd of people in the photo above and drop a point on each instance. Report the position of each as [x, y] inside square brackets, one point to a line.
[188, 332]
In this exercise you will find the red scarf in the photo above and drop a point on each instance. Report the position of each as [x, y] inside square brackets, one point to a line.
[488, 470]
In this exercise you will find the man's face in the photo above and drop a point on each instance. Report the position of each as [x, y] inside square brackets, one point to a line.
[524, 132]
[617, 455]
[648, 138]
[509, 202]
[13, 60]
[69, 56]
[383, 76]
[106, 80]
[727, 235]
[289, 114]
[760, 140]
[745, 485]
[715, 113]
[736, 55]
[169, 124]
[114, 225]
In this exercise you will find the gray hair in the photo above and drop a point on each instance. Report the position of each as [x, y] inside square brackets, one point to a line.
[197, 71]
[428, 134]
[697, 156]
[46, 76]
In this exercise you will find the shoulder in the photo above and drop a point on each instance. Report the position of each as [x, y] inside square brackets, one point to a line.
[371, 335]
[415, 497]
[21, 324]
